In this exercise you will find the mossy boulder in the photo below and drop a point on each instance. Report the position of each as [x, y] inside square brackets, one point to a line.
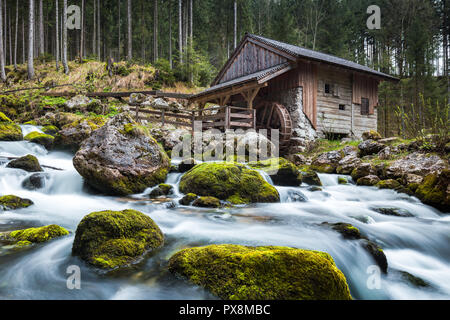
[281, 171]
[28, 163]
[327, 162]
[435, 190]
[370, 147]
[40, 138]
[35, 235]
[228, 181]
[371, 135]
[72, 135]
[389, 184]
[342, 180]
[392, 211]
[10, 132]
[112, 239]
[188, 199]
[11, 202]
[162, 190]
[50, 130]
[121, 158]
[362, 170]
[234, 272]
[369, 180]
[206, 202]
[310, 177]
[347, 230]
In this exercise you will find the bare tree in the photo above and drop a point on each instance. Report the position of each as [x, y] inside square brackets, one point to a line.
[41, 28]
[64, 22]
[2, 60]
[16, 34]
[94, 34]
[119, 44]
[180, 29]
[31, 41]
[10, 37]
[57, 35]
[99, 54]
[155, 32]
[130, 40]
[170, 35]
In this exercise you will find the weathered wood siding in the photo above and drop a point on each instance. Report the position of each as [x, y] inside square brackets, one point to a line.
[365, 87]
[252, 58]
[305, 76]
[363, 123]
[330, 118]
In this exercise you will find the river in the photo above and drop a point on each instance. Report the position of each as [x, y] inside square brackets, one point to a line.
[419, 245]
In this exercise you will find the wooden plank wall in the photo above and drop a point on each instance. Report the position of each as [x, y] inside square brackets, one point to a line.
[252, 58]
[305, 76]
[330, 118]
[365, 87]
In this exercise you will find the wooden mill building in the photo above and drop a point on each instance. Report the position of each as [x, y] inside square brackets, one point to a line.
[304, 93]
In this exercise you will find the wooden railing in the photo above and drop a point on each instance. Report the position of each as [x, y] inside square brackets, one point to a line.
[225, 117]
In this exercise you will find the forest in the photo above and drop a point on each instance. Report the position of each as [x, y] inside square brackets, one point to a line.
[191, 39]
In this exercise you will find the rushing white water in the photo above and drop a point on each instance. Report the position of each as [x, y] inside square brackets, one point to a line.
[418, 245]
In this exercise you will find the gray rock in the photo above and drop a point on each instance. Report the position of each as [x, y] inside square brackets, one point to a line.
[370, 147]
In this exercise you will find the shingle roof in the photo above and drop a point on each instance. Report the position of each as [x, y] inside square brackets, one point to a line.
[300, 52]
[251, 77]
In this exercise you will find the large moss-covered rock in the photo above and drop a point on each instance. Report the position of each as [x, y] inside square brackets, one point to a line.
[11, 202]
[111, 239]
[206, 202]
[327, 162]
[188, 199]
[162, 190]
[416, 164]
[262, 273]
[310, 177]
[10, 132]
[281, 171]
[369, 180]
[28, 163]
[435, 190]
[35, 235]
[50, 130]
[121, 158]
[40, 138]
[72, 135]
[228, 181]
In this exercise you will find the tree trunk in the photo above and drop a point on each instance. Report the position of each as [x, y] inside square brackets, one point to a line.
[99, 54]
[94, 34]
[82, 32]
[2, 60]
[170, 35]
[41, 28]
[191, 35]
[235, 24]
[10, 37]
[64, 60]
[130, 40]
[155, 32]
[119, 43]
[31, 41]
[16, 34]
[57, 35]
[180, 29]
[23, 42]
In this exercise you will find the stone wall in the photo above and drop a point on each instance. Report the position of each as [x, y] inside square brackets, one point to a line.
[292, 99]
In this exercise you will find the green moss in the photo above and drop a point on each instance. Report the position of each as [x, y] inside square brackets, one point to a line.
[262, 273]
[228, 181]
[28, 163]
[111, 239]
[207, 202]
[4, 118]
[433, 190]
[310, 177]
[188, 199]
[342, 180]
[388, 184]
[10, 132]
[40, 138]
[31, 123]
[281, 171]
[38, 235]
[50, 130]
[11, 202]
[347, 230]
[162, 190]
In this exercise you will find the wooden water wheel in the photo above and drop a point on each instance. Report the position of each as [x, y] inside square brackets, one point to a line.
[273, 115]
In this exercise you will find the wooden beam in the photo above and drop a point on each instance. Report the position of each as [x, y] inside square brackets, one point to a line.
[210, 97]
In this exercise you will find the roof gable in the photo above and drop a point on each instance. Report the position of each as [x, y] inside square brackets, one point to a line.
[251, 57]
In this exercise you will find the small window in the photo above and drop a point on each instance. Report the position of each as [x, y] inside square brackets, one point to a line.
[342, 107]
[364, 106]
[327, 88]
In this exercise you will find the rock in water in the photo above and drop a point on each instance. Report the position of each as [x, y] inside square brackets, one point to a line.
[228, 181]
[12, 202]
[72, 135]
[121, 158]
[28, 163]
[40, 138]
[111, 239]
[235, 272]
[281, 171]
[10, 132]
[35, 235]
[35, 181]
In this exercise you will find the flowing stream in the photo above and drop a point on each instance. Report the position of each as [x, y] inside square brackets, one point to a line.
[419, 245]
